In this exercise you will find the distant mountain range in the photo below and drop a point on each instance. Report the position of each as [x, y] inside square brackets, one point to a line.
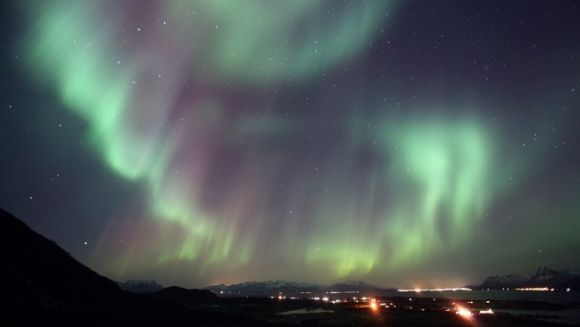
[286, 288]
[543, 277]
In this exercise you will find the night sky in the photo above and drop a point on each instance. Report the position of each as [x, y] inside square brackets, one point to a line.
[403, 143]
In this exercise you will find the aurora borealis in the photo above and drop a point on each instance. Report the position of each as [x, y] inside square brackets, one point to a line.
[197, 142]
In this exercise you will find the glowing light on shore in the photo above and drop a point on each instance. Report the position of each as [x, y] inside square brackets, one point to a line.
[535, 289]
[463, 312]
[486, 312]
[419, 290]
[374, 305]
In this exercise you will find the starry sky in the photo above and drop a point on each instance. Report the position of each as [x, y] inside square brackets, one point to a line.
[404, 143]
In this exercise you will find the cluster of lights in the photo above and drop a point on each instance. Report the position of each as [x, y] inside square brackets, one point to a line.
[343, 300]
[374, 305]
[419, 290]
[535, 289]
[283, 297]
[463, 312]
[466, 313]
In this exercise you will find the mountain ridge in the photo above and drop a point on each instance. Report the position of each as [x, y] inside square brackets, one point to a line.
[140, 286]
[544, 277]
[43, 285]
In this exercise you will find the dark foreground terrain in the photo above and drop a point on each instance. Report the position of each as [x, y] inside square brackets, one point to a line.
[42, 285]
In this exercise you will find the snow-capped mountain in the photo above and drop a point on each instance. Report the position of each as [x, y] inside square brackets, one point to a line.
[543, 277]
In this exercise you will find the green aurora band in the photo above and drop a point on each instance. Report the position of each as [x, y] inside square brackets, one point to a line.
[425, 194]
